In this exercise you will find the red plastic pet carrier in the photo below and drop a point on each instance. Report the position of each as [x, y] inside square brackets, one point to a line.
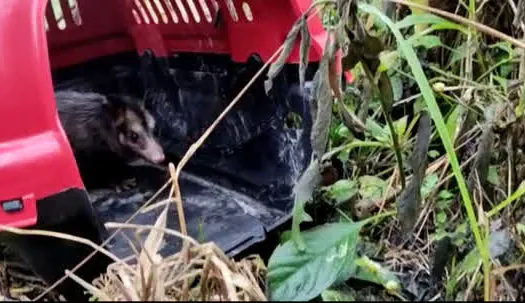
[40, 184]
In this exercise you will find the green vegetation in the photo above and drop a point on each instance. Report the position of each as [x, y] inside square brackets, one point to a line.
[429, 137]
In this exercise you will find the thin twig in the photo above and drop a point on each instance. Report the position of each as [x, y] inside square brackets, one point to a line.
[480, 27]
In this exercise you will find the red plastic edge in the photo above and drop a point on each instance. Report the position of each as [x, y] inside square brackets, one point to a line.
[36, 160]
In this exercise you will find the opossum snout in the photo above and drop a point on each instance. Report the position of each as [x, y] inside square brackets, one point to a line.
[153, 152]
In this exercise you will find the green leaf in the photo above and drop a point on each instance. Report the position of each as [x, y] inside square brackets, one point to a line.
[397, 87]
[389, 60]
[371, 187]
[445, 195]
[502, 82]
[343, 132]
[427, 41]
[441, 218]
[428, 185]
[329, 258]
[343, 190]
[285, 236]
[470, 262]
[372, 271]
[462, 51]
[303, 191]
[415, 19]
[504, 46]
[331, 295]
[521, 228]
[437, 22]
[493, 175]
[401, 126]
[379, 133]
[433, 153]
[433, 108]
[515, 196]
[452, 121]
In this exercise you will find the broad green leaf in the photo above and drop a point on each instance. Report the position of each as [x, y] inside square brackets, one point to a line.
[343, 190]
[331, 295]
[371, 187]
[330, 255]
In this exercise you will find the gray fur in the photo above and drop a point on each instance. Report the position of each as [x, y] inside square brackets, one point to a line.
[87, 122]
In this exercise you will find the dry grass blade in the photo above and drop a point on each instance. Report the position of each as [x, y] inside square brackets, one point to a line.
[227, 278]
[59, 235]
[113, 235]
[167, 231]
[218, 276]
[93, 290]
[149, 259]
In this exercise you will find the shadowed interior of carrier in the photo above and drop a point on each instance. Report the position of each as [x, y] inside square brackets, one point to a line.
[238, 186]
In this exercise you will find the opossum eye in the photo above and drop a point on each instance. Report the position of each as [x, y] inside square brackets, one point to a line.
[134, 136]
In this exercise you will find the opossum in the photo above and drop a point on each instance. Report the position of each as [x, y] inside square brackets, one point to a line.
[97, 124]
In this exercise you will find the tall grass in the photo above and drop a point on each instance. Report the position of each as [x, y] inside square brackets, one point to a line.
[437, 117]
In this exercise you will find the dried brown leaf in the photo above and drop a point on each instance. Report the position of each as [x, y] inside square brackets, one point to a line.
[151, 246]
[304, 51]
[480, 167]
[278, 65]
[324, 100]
[410, 198]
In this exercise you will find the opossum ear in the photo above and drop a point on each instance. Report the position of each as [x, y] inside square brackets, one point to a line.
[115, 105]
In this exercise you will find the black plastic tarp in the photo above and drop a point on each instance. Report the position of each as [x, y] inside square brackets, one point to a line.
[238, 186]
